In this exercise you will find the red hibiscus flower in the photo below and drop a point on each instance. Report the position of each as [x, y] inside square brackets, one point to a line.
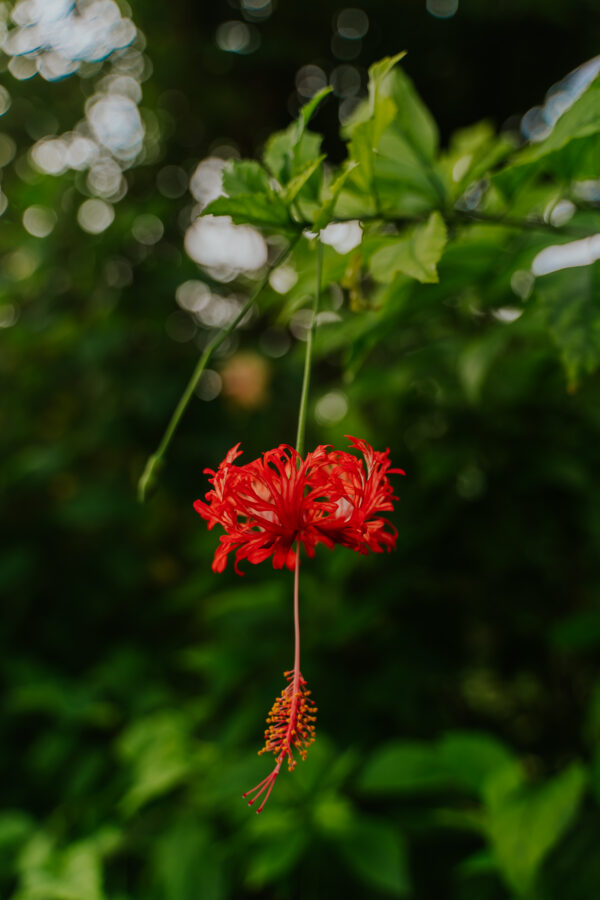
[330, 497]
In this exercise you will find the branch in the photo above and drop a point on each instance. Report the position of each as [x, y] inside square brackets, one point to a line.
[155, 461]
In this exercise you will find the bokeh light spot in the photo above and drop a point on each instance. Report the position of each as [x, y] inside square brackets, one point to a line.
[209, 386]
[256, 10]
[55, 37]
[300, 324]
[560, 213]
[345, 81]
[237, 37]
[442, 9]
[21, 264]
[534, 124]
[4, 100]
[274, 342]
[567, 256]
[172, 182]
[345, 48]
[8, 315]
[95, 216]
[39, 221]
[522, 283]
[147, 229]
[81, 152]
[342, 236]
[8, 148]
[218, 243]
[118, 272]
[331, 408]
[116, 124]
[245, 380]
[283, 279]
[538, 122]
[192, 295]
[507, 314]
[310, 80]
[352, 23]
[180, 327]
[206, 183]
[347, 109]
[50, 156]
[218, 311]
[106, 180]
[22, 67]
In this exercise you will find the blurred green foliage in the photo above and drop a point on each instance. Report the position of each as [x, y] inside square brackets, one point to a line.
[457, 679]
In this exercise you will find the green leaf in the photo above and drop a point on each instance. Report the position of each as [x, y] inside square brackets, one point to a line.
[473, 152]
[376, 852]
[415, 255]
[73, 873]
[366, 130]
[250, 198]
[159, 752]
[378, 71]
[571, 302]
[259, 209]
[394, 140]
[571, 150]
[406, 151]
[413, 120]
[309, 109]
[333, 814]
[187, 864]
[472, 757]
[285, 155]
[304, 262]
[382, 108]
[15, 826]
[502, 784]
[527, 824]
[331, 194]
[243, 177]
[480, 862]
[467, 758]
[360, 151]
[404, 767]
[581, 120]
[577, 633]
[273, 858]
[289, 152]
[295, 185]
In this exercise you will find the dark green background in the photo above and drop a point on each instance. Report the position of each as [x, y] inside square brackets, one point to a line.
[137, 681]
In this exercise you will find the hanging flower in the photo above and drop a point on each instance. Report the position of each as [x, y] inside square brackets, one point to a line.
[273, 506]
[330, 497]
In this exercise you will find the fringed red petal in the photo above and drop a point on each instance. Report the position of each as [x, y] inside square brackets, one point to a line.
[330, 497]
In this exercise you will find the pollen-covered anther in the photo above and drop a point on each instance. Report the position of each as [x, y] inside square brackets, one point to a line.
[291, 730]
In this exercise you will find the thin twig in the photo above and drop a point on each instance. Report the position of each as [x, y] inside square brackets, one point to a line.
[155, 461]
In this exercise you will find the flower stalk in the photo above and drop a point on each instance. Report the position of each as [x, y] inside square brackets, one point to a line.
[308, 354]
[291, 720]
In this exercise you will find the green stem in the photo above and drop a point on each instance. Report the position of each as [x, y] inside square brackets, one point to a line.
[155, 461]
[308, 354]
[521, 224]
[459, 216]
